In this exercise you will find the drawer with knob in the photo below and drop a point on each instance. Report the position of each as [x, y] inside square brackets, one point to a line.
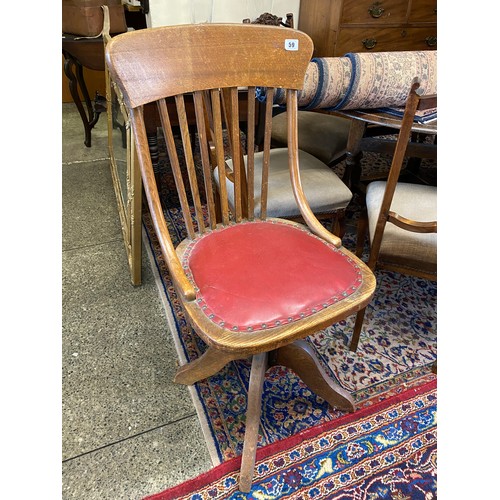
[341, 26]
[374, 11]
[385, 39]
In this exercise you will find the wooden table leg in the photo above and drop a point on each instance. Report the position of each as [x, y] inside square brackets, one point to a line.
[76, 80]
[352, 173]
[153, 147]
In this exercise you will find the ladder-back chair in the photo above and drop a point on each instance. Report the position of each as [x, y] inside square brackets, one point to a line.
[401, 217]
[251, 287]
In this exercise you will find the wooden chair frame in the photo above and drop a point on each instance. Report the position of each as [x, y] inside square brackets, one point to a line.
[212, 63]
[416, 101]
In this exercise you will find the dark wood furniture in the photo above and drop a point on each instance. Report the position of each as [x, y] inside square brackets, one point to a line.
[78, 53]
[81, 52]
[341, 26]
[251, 287]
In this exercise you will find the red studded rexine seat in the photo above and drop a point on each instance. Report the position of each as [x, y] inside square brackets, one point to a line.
[258, 275]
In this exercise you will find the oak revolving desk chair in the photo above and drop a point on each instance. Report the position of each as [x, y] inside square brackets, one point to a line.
[250, 286]
[400, 217]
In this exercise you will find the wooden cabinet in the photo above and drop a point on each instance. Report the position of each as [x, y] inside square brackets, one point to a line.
[340, 26]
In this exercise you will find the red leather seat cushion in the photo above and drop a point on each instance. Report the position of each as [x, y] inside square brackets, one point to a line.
[257, 275]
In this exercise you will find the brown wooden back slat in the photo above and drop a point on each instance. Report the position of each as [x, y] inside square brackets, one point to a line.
[231, 119]
[176, 168]
[204, 138]
[188, 156]
[267, 154]
[250, 151]
[219, 151]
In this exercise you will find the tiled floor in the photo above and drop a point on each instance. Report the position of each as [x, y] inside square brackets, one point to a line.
[127, 429]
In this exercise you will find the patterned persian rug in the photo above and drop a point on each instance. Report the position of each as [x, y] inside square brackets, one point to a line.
[385, 451]
[396, 352]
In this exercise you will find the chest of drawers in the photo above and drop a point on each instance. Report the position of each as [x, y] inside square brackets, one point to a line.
[340, 26]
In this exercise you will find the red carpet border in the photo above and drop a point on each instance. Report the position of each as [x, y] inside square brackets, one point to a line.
[385, 451]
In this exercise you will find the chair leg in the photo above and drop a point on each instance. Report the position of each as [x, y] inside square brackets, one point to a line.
[254, 408]
[300, 357]
[361, 233]
[208, 364]
[338, 223]
[357, 330]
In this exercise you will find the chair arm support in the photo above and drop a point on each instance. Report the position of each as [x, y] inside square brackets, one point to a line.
[293, 162]
[174, 264]
[412, 225]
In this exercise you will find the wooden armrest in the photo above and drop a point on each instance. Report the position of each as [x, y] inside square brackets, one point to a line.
[185, 287]
[412, 225]
[307, 214]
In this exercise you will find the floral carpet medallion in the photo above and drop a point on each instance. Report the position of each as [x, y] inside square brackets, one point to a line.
[396, 352]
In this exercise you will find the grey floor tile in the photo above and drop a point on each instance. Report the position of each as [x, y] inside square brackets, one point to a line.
[127, 429]
[118, 357]
[90, 213]
[73, 148]
[137, 467]
[98, 274]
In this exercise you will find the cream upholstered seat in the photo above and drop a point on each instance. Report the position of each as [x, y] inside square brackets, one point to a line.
[320, 134]
[323, 188]
[413, 201]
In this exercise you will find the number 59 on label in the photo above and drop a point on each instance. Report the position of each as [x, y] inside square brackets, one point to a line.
[291, 44]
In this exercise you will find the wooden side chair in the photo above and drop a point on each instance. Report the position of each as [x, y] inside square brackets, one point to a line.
[401, 217]
[251, 286]
[320, 134]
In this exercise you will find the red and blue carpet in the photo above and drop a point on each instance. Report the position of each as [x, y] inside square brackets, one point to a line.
[385, 451]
